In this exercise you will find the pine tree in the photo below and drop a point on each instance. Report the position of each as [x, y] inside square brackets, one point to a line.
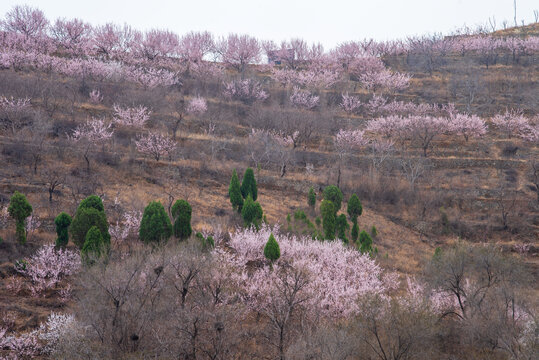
[62, 222]
[365, 242]
[327, 209]
[155, 225]
[84, 219]
[311, 198]
[333, 194]
[234, 192]
[354, 208]
[342, 226]
[92, 201]
[248, 184]
[181, 212]
[272, 252]
[251, 212]
[19, 209]
[355, 231]
[94, 245]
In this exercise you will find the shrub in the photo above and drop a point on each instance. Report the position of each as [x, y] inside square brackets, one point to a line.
[19, 209]
[234, 192]
[272, 251]
[62, 222]
[354, 208]
[155, 225]
[94, 245]
[365, 242]
[84, 219]
[355, 231]
[311, 198]
[333, 194]
[342, 226]
[317, 221]
[300, 215]
[374, 232]
[248, 185]
[251, 212]
[327, 210]
[181, 212]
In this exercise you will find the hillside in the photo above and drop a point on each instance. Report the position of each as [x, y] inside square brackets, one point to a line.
[439, 139]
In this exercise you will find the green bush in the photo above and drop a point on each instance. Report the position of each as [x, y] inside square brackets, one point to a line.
[84, 219]
[317, 221]
[19, 209]
[94, 245]
[155, 225]
[327, 209]
[354, 208]
[365, 242]
[248, 185]
[251, 212]
[311, 198]
[342, 226]
[181, 212]
[62, 222]
[234, 192]
[272, 251]
[333, 194]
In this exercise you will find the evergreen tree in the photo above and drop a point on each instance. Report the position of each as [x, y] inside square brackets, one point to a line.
[251, 212]
[155, 225]
[62, 222]
[327, 209]
[84, 219]
[248, 184]
[19, 209]
[311, 198]
[234, 192]
[92, 201]
[342, 226]
[355, 231]
[94, 245]
[333, 194]
[374, 232]
[354, 208]
[181, 212]
[365, 242]
[272, 252]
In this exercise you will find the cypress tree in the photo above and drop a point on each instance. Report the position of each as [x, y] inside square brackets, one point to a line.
[311, 198]
[251, 212]
[355, 231]
[272, 251]
[19, 209]
[333, 194]
[342, 226]
[354, 208]
[327, 209]
[84, 219]
[93, 244]
[248, 184]
[234, 192]
[181, 212]
[90, 212]
[365, 242]
[155, 225]
[62, 222]
[92, 201]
